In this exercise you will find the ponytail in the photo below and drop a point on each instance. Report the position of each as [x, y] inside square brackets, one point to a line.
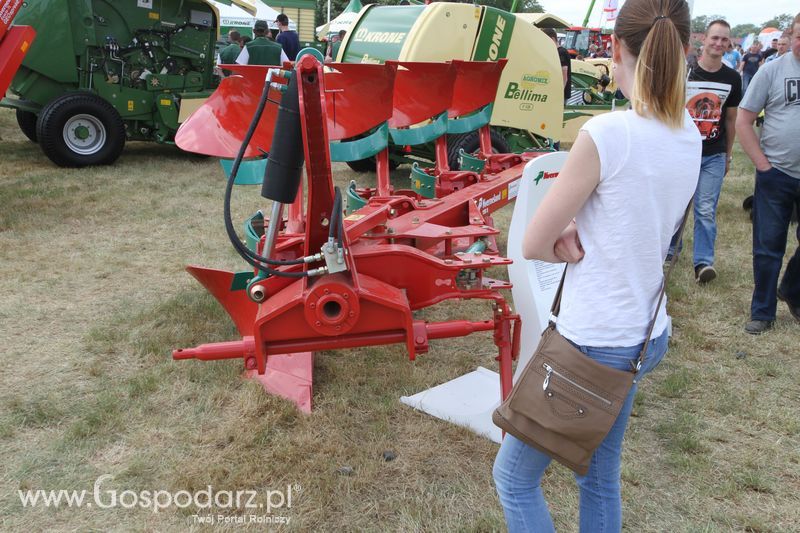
[657, 32]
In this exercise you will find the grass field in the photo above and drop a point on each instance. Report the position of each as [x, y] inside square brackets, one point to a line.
[94, 297]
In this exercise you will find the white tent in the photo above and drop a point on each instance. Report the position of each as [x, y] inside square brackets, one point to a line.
[232, 17]
[342, 22]
[767, 34]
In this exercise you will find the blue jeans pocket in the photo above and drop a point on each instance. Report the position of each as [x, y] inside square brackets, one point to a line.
[771, 172]
[621, 358]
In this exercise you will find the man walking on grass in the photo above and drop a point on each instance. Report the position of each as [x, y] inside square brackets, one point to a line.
[776, 90]
[713, 90]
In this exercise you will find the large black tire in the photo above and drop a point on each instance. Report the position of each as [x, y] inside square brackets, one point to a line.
[27, 123]
[369, 165]
[363, 165]
[80, 129]
[470, 143]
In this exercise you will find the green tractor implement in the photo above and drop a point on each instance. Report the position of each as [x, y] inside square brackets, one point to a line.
[527, 111]
[102, 72]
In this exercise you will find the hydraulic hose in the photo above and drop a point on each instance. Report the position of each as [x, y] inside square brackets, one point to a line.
[336, 215]
[249, 256]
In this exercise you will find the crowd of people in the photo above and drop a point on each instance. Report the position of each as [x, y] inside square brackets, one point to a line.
[722, 103]
[613, 213]
[263, 48]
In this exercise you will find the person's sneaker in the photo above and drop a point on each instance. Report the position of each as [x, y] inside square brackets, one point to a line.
[793, 310]
[704, 273]
[757, 327]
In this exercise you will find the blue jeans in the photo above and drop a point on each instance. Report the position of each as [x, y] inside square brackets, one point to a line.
[518, 468]
[746, 79]
[776, 195]
[706, 198]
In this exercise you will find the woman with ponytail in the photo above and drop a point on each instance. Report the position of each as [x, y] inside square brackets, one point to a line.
[610, 215]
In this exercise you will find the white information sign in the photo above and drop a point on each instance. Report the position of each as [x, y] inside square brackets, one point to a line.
[535, 282]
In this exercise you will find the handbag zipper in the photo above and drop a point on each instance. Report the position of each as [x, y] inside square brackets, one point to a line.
[550, 371]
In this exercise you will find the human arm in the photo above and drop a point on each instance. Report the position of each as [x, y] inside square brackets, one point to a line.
[747, 138]
[730, 135]
[564, 76]
[553, 219]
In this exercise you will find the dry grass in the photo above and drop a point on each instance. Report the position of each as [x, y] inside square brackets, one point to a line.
[94, 298]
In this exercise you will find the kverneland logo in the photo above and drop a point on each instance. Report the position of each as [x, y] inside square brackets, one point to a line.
[483, 203]
[543, 175]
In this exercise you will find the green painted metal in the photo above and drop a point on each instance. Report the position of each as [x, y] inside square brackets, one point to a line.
[309, 50]
[422, 183]
[380, 36]
[414, 136]
[140, 56]
[241, 280]
[477, 247]
[361, 148]
[251, 234]
[354, 201]
[257, 278]
[471, 122]
[470, 163]
[251, 171]
[486, 47]
[588, 13]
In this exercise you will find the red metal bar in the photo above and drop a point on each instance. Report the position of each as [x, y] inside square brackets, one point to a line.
[442, 162]
[13, 47]
[218, 350]
[384, 188]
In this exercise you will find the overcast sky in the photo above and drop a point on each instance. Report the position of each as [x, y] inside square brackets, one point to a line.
[735, 11]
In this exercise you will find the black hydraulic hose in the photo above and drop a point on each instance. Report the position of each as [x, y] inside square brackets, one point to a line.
[341, 229]
[249, 256]
[336, 215]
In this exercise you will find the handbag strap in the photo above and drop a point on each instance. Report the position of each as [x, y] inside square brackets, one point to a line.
[555, 309]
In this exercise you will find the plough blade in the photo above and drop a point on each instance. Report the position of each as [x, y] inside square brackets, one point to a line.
[220, 283]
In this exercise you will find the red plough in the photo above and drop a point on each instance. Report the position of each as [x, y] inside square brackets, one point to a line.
[337, 282]
[15, 41]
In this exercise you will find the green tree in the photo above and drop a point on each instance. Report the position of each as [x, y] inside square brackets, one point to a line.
[742, 30]
[782, 22]
[523, 6]
[700, 22]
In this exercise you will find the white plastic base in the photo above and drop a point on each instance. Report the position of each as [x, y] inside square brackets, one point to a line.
[466, 401]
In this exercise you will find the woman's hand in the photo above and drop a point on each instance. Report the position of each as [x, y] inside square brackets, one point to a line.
[576, 181]
[568, 245]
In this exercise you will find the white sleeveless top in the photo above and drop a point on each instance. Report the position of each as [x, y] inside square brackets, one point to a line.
[648, 173]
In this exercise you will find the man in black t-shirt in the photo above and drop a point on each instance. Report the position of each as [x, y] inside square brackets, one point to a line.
[288, 39]
[566, 63]
[771, 50]
[713, 92]
[750, 63]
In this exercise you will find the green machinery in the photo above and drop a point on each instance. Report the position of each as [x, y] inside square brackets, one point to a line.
[105, 71]
[529, 102]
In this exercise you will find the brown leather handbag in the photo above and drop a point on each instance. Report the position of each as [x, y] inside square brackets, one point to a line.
[564, 403]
